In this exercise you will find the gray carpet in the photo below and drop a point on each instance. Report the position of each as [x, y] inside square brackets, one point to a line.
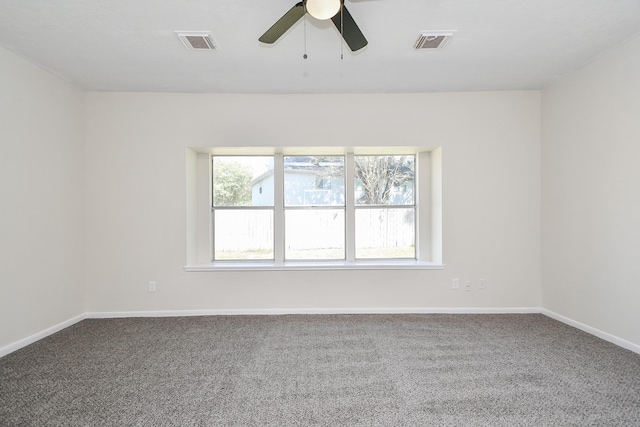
[331, 370]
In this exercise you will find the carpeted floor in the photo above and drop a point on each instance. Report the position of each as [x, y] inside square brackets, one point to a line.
[328, 370]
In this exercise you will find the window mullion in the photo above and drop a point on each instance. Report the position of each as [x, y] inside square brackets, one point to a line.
[350, 214]
[278, 204]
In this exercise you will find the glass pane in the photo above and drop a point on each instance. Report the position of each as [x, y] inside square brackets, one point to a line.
[314, 234]
[384, 180]
[243, 234]
[314, 181]
[243, 181]
[385, 233]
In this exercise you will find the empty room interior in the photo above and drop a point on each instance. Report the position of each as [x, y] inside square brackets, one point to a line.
[268, 213]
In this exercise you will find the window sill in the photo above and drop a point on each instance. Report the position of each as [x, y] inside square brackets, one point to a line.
[314, 265]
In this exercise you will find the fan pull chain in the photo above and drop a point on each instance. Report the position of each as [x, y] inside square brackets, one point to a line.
[341, 30]
[305, 33]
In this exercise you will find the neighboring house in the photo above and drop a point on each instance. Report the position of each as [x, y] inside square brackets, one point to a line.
[319, 182]
[309, 183]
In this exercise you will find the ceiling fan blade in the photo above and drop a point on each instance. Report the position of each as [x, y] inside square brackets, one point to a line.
[351, 34]
[283, 24]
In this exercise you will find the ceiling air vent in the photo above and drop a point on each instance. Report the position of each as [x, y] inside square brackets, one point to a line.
[432, 40]
[196, 40]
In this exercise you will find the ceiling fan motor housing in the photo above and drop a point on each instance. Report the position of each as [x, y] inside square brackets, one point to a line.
[323, 9]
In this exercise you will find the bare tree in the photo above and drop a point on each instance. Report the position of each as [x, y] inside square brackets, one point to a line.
[380, 174]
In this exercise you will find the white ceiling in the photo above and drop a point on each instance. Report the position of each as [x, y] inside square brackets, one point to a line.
[124, 45]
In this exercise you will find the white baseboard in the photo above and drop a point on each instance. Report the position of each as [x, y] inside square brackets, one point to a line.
[42, 334]
[257, 312]
[282, 311]
[593, 331]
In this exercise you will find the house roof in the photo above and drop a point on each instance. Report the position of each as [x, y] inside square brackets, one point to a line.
[303, 166]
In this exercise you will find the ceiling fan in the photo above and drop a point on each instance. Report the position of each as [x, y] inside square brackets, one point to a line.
[319, 9]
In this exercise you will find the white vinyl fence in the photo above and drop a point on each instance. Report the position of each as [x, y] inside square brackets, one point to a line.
[252, 230]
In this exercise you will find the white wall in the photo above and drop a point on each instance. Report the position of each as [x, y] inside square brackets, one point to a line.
[111, 201]
[136, 196]
[41, 185]
[591, 194]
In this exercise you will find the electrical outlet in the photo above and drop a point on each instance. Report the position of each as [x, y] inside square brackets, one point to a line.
[482, 285]
[152, 286]
[455, 284]
[467, 285]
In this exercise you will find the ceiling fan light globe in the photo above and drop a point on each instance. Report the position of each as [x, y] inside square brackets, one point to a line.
[323, 9]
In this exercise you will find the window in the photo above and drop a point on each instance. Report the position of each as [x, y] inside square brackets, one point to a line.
[242, 211]
[385, 209]
[314, 208]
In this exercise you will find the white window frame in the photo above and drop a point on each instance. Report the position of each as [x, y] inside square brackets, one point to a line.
[279, 163]
[428, 210]
[355, 207]
[214, 208]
